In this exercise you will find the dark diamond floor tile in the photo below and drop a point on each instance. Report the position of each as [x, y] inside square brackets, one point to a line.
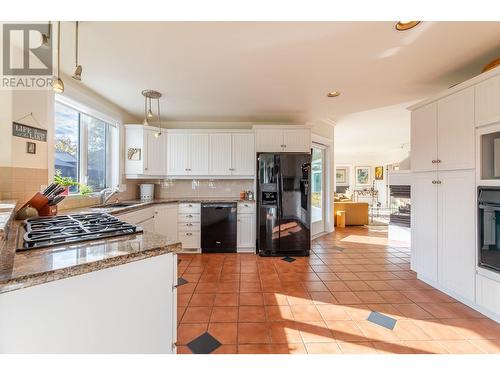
[382, 320]
[288, 259]
[204, 344]
[179, 261]
[181, 281]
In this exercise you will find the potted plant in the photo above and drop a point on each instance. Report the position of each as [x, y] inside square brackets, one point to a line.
[68, 182]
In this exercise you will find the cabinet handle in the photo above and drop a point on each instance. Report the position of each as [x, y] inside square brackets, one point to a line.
[434, 162]
[438, 161]
[246, 205]
[434, 182]
[189, 234]
[189, 225]
[438, 182]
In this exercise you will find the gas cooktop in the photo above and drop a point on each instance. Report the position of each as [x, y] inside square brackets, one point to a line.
[66, 229]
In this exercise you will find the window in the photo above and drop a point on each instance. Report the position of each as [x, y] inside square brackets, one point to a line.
[82, 147]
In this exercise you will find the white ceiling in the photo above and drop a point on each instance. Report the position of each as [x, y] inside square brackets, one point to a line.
[275, 71]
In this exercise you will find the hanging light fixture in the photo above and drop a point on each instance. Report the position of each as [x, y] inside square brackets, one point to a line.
[78, 70]
[57, 84]
[150, 95]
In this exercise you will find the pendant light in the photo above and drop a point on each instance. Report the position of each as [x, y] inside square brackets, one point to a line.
[58, 84]
[78, 70]
[150, 95]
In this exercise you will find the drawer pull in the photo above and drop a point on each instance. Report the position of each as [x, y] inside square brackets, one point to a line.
[189, 234]
[218, 242]
[189, 225]
[189, 215]
[246, 205]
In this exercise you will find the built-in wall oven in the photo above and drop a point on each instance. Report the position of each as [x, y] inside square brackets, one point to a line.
[489, 227]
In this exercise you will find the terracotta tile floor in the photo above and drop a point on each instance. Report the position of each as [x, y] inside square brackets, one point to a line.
[320, 304]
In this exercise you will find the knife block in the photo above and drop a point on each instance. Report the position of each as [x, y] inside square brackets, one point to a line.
[48, 210]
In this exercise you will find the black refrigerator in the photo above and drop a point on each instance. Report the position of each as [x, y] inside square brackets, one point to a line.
[283, 204]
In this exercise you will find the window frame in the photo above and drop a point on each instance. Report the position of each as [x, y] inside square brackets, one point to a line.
[111, 132]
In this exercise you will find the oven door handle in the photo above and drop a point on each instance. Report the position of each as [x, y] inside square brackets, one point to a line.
[489, 207]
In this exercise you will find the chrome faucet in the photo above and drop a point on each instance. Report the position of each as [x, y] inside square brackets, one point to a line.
[106, 194]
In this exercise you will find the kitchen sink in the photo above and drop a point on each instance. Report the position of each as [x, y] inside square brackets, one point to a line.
[116, 205]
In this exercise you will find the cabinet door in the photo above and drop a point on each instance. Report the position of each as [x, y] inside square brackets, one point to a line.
[166, 221]
[456, 232]
[147, 225]
[456, 131]
[178, 152]
[424, 138]
[155, 154]
[424, 235]
[198, 154]
[246, 230]
[243, 154]
[488, 101]
[269, 140]
[220, 154]
[297, 140]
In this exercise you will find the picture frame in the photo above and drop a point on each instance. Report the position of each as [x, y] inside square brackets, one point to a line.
[342, 176]
[30, 147]
[379, 173]
[362, 176]
[134, 154]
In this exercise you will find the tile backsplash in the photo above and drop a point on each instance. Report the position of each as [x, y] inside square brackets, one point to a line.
[21, 183]
[203, 189]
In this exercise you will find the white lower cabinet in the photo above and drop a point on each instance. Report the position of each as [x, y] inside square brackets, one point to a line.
[246, 227]
[488, 293]
[456, 232]
[189, 227]
[166, 221]
[443, 230]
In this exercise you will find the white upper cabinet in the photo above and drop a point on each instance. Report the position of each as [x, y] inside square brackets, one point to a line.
[297, 140]
[144, 153]
[220, 154]
[243, 154]
[456, 131]
[178, 154]
[198, 154]
[488, 101]
[442, 133]
[155, 153]
[424, 138]
[283, 139]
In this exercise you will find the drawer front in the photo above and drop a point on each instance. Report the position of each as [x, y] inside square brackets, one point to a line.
[246, 207]
[189, 227]
[190, 208]
[189, 218]
[190, 240]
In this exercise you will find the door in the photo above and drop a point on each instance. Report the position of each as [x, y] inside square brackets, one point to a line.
[198, 154]
[424, 138]
[155, 158]
[267, 198]
[178, 153]
[269, 140]
[456, 232]
[220, 154]
[246, 230]
[456, 131]
[297, 140]
[424, 234]
[243, 154]
[317, 190]
[295, 203]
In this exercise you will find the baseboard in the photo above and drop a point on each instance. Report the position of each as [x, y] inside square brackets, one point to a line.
[490, 314]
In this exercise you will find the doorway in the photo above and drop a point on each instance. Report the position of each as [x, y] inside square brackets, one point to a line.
[318, 190]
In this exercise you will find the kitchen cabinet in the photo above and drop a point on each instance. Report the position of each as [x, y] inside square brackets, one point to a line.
[455, 125]
[443, 229]
[424, 225]
[246, 227]
[189, 225]
[188, 154]
[144, 152]
[487, 99]
[166, 221]
[283, 139]
[442, 133]
[456, 232]
[220, 154]
[424, 138]
[232, 154]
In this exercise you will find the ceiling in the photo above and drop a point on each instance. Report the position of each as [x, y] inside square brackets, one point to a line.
[275, 71]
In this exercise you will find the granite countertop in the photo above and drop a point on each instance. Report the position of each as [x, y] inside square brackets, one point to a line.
[7, 210]
[33, 267]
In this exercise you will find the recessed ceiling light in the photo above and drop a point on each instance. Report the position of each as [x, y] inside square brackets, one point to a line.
[333, 94]
[406, 25]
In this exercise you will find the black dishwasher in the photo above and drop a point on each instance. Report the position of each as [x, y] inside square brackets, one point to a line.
[218, 227]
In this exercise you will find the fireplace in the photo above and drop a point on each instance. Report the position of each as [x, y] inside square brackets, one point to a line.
[400, 205]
